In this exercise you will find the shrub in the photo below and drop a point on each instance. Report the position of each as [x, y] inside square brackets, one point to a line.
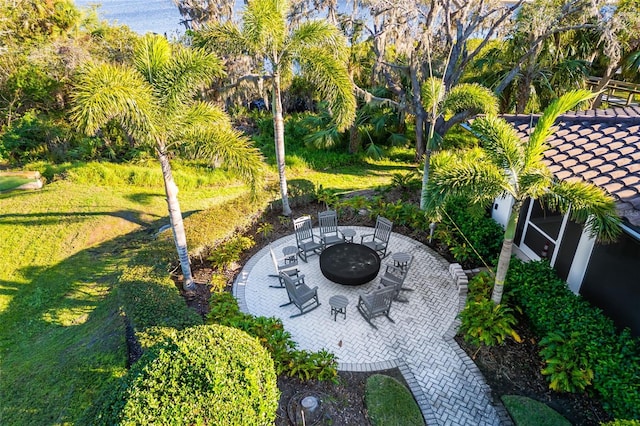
[208, 374]
[229, 251]
[483, 322]
[566, 364]
[466, 226]
[572, 326]
[272, 335]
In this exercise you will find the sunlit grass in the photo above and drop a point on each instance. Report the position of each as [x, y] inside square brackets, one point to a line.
[63, 247]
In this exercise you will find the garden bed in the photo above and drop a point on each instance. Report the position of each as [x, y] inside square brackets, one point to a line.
[510, 369]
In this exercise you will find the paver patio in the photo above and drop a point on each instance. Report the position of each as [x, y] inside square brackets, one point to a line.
[446, 384]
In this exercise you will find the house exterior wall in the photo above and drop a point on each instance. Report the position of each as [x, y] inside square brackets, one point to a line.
[612, 281]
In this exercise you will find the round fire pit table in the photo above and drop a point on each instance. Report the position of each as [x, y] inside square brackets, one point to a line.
[349, 264]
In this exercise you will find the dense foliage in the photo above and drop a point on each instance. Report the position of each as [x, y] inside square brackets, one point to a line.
[207, 374]
[270, 332]
[581, 347]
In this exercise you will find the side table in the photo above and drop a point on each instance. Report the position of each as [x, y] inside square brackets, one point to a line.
[348, 235]
[401, 260]
[338, 306]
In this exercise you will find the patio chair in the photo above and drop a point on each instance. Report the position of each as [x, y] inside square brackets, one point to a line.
[375, 304]
[394, 277]
[379, 240]
[329, 232]
[305, 298]
[306, 240]
[285, 264]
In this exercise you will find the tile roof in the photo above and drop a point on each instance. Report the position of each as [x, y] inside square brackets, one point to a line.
[597, 146]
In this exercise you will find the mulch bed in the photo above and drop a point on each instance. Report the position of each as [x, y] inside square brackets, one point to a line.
[510, 369]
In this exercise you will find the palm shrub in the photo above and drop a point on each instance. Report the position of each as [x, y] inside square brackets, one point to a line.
[482, 322]
[208, 374]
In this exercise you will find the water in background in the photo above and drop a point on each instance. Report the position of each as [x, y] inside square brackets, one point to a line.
[142, 16]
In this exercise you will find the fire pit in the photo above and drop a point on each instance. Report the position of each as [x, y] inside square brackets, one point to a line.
[349, 264]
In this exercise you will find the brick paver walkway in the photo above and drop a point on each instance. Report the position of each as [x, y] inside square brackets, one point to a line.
[446, 384]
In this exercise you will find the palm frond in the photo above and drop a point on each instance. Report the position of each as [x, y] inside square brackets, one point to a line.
[318, 34]
[544, 128]
[432, 93]
[465, 175]
[105, 92]
[265, 24]
[590, 205]
[225, 39]
[188, 71]
[470, 97]
[207, 133]
[535, 182]
[151, 54]
[501, 142]
[331, 78]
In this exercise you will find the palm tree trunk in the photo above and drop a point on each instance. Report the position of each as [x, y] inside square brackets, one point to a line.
[427, 166]
[278, 130]
[175, 217]
[505, 254]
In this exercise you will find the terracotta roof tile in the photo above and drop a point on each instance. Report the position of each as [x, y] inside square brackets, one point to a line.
[613, 187]
[589, 174]
[600, 151]
[617, 173]
[590, 146]
[600, 146]
[633, 167]
[606, 168]
[584, 157]
[616, 145]
[579, 168]
[595, 162]
[631, 181]
[574, 152]
[628, 149]
[600, 180]
[563, 174]
[610, 156]
[622, 161]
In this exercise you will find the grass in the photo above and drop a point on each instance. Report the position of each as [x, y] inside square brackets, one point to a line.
[11, 182]
[528, 412]
[63, 247]
[390, 403]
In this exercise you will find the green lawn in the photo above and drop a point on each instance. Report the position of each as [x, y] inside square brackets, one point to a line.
[62, 335]
[63, 247]
[11, 182]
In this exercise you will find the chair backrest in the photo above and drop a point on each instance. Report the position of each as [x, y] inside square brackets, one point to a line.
[274, 259]
[303, 228]
[383, 229]
[381, 299]
[291, 288]
[328, 222]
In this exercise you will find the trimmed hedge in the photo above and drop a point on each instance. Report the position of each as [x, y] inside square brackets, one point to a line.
[573, 326]
[208, 374]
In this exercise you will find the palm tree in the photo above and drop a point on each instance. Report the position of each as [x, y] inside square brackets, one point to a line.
[316, 48]
[507, 165]
[154, 103]
[445, 108]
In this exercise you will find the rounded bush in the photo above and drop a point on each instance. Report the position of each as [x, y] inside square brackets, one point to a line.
[208, 374]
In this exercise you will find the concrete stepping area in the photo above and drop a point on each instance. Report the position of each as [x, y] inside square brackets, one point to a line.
[446, 384]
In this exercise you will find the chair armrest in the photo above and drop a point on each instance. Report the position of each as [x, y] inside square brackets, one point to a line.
[362, 237]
